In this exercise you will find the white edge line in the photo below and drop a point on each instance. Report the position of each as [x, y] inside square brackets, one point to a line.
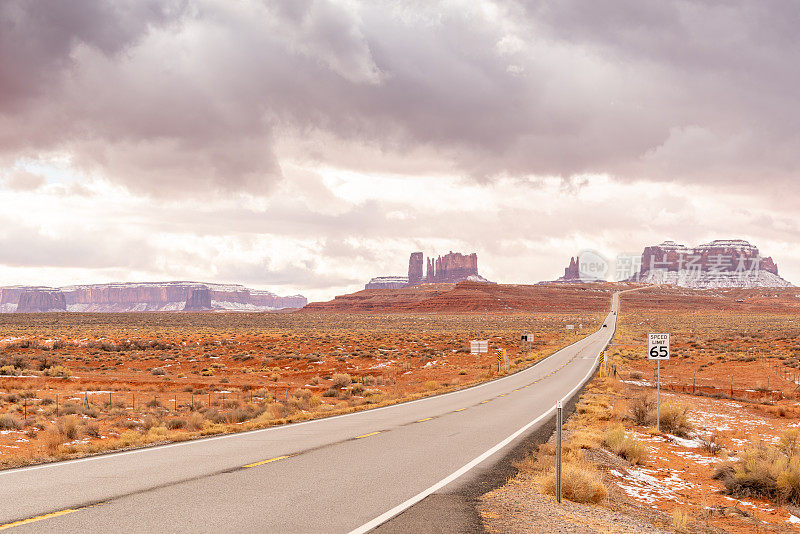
[54, 465]
[366, 527]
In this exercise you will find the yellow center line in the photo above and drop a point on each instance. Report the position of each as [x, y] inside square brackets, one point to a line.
[426, 419]
[503, 395]
[262, 462]
[461, 409]
[368, 435]
[484, 402]
[37, 518]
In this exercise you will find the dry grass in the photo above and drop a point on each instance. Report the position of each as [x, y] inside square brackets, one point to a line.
[580, 482]
[763, 471]
[675, 420]
[617, 441]
[641, 410]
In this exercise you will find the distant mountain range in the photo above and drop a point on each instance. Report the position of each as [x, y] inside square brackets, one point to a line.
[143, 296]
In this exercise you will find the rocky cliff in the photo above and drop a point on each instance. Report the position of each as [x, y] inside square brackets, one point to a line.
[720, 263]
[39, 300]
[451, 268]
[414, 268]
[199, 300]
[572, 271]
[134, 297]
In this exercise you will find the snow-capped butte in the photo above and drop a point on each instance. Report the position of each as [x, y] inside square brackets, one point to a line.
[720, 263]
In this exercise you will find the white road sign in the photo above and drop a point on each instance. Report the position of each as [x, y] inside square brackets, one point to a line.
[527, 337]
[570, 327]
[477, 346]
[658, 346]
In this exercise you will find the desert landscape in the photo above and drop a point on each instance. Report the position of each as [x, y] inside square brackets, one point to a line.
[727, 457]
[75, 384]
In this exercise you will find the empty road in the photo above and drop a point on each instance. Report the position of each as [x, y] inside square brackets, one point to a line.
[343, 474]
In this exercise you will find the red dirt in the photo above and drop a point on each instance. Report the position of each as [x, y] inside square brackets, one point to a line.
[475, 297]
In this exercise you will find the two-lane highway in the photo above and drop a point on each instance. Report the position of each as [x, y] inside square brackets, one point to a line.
[347, 473]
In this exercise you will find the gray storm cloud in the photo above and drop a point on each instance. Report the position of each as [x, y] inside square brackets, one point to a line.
[200, 96]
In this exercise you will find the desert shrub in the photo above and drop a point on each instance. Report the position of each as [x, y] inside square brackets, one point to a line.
[69, 408]
[69, 425]
[8, 370]
[675, 420]
[238, 415]
[196, 421]
[635, 375]
[580, 482]
[153, 403]
[341, 380]
[58, 371]
[788, 441]
[10, 422]
[641, 409]
[176, 423]
[158, 371]
[50, 439]
[149, 422]
[711, 445]
[92, 430]
[765, 472]
[680, 520]
[356, 389]
[617, 441]
[331, 392]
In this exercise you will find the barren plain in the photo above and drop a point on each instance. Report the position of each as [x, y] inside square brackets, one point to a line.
[76, 384]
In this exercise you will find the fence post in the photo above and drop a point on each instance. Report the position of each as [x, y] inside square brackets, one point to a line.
[26, 410]
[56, 404]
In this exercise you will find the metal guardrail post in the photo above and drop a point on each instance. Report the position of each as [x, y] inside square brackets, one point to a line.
[559, 424]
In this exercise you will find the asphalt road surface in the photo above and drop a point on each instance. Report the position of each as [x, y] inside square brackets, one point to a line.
[344, 474]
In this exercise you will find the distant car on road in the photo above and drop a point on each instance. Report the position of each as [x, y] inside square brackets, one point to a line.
[605, 326]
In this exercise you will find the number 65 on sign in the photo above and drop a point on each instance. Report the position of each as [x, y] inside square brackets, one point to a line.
[658, 346]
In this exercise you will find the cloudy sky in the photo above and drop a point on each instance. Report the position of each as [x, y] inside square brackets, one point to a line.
[308, 145]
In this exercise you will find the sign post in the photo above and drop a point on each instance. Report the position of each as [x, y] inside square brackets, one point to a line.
[476, 347]
[527, 339]
[501, 359]
[658, 349]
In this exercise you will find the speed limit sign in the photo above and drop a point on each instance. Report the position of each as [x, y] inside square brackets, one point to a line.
[658, 346]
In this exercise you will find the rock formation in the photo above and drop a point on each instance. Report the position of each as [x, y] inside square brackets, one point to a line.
[720, 263]
[414, 269]
[133, 297]
[448, 269]
[572, 273]
[40, 300]
[453, 267]
[199, 300]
